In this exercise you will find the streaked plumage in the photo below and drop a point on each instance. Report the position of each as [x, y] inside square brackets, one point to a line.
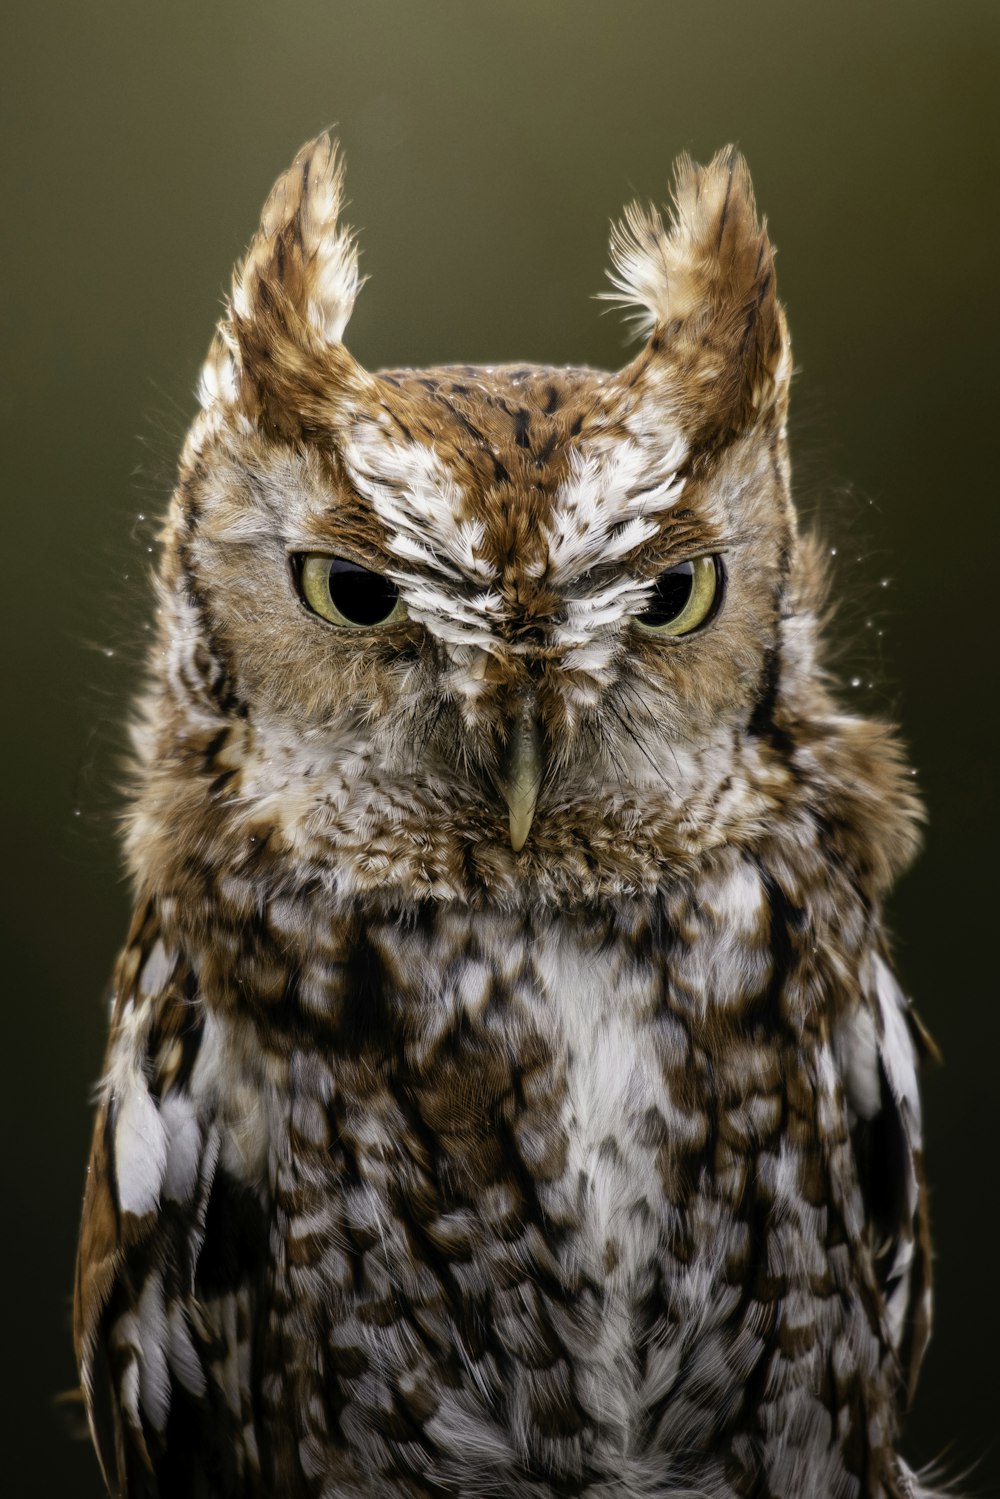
[508, 1092]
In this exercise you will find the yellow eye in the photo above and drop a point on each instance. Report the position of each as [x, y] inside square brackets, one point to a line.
[346, 594]
[685, 596]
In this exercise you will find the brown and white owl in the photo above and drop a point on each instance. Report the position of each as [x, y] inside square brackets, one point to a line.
[508, 1091]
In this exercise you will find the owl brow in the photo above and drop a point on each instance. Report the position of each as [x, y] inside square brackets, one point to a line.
[365, 552]
[661, 552]
[695, 536]
[698, 545]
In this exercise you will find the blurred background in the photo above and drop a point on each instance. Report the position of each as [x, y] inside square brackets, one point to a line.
[488, 145]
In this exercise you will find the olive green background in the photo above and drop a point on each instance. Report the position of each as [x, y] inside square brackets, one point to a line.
[488, 146]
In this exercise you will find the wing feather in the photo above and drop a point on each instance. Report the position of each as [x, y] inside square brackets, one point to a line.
[878, 1048]
[155, 1321]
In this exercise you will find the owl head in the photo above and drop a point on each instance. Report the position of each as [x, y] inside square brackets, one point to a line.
[477, 630]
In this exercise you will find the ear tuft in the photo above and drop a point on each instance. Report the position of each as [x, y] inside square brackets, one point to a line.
[278, 353]
[703, 288]
[301, 252]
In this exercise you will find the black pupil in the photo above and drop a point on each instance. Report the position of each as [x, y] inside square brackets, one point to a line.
[363, 597]
[672, 591]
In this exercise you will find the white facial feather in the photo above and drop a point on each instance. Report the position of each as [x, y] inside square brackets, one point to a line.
[424, 513]
[612, 502]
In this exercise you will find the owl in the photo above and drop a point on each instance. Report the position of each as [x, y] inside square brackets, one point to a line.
[508, 1092]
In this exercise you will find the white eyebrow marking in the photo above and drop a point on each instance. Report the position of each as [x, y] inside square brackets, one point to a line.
[422, 508]
[610, 503]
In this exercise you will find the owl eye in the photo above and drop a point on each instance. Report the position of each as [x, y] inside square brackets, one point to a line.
[685, 596]
[346, 594]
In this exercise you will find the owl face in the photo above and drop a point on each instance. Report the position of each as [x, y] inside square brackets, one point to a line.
[527, 616]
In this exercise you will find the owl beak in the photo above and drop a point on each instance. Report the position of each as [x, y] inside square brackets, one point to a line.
[520, 776]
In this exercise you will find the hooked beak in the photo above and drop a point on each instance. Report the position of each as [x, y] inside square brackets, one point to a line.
[520, 775]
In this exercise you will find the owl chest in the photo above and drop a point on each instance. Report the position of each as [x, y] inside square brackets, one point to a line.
[535, 1086]
[550, 1194]
[494, 1177]
[588, 1137]
[542, 1080]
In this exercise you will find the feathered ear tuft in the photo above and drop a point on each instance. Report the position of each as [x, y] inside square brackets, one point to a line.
[703, 289]
[301, 249]
[278, 354]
